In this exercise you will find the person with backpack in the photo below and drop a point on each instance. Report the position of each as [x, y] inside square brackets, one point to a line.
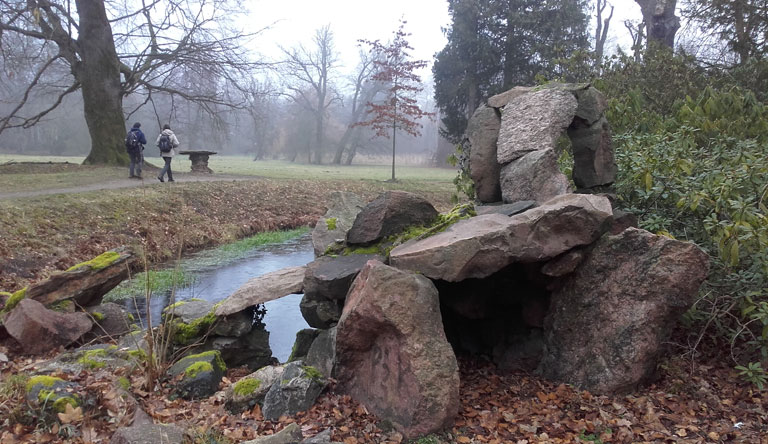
[167, 143]
[134, 145]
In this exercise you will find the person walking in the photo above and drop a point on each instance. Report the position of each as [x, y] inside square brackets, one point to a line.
[134, 145]
[167, 143]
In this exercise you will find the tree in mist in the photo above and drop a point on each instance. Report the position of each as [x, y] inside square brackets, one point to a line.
[400, 109]
[661, 23]
[128, 51]
[310, 73]
[365, 91]
[494, 45]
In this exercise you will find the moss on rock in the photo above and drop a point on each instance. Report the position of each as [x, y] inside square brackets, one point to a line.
[330, 223]
[195, 368]
[246, 386]
[312, 373]
[101, 261]
[13, 300]
[42, 380]
[89, 359]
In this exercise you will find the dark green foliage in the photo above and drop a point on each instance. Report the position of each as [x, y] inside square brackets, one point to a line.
[693, 167]
[494, 45]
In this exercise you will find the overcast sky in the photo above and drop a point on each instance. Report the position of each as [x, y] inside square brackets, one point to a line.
[296, 20]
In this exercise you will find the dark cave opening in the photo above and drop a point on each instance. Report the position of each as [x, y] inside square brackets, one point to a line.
[500, 317]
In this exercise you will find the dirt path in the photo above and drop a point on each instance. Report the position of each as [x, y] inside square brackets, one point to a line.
[124, 183]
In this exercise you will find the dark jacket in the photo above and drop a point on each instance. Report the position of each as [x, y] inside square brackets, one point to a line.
[140, 137]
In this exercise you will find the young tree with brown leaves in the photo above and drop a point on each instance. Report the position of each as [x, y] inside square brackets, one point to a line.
[399, 110]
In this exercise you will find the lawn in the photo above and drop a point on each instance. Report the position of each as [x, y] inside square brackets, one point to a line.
[23, 177]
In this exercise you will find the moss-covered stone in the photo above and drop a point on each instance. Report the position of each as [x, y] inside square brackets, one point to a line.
[89, 359]
[49, 393]
[186, 333]
[101, 261]
[194, 369]
[330, 223]
[42, 380]
[246, 386]
[215, 354]
[98, 316]
[60, 405]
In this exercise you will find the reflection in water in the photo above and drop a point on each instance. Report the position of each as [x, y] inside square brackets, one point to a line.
[283, 318]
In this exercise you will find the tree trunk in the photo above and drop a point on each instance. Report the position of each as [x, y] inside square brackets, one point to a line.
[661, 22]
[99, 76]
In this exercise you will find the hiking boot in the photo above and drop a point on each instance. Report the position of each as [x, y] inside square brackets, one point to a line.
[138, 177]
[160, 178]
[171, 180]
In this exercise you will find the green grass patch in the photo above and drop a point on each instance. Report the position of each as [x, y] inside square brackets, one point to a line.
[236, 250]
[159, 281]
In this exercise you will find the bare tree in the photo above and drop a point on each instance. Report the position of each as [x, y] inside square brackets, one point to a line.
[112, 50]
[601, 32]
[364, 91]
[637, 32]
[312, 70]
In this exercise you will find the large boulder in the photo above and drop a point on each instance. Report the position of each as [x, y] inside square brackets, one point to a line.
[389, 214]
[304, 339]
[296, 391]
[264, 288]
[593, 162]
[500, 100]
[607, 324]
[392, 354]
[482, 134]
[329, 277]
[39, 329]
[111, 321]
[482, 245]
[534, 176]
[322, 353]
[533, 122]
[86, 283]
[320, 312]
[343, 208]
[251, 349]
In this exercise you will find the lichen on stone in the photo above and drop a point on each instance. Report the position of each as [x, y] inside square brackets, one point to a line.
[101, 261]
[246, 386]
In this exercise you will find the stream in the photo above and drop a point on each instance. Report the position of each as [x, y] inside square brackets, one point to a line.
[214, 283]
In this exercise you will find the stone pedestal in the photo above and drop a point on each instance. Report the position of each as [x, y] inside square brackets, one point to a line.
[199, 160]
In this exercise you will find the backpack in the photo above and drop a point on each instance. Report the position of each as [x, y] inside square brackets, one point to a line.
[164, 143]
[132, 144]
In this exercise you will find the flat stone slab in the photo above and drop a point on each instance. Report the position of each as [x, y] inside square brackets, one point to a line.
[482, 245]
[265, 288]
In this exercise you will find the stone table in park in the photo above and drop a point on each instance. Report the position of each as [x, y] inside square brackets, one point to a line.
[199, 160]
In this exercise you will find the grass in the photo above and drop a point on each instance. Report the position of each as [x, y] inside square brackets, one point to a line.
[20, 178]
[159, 282]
